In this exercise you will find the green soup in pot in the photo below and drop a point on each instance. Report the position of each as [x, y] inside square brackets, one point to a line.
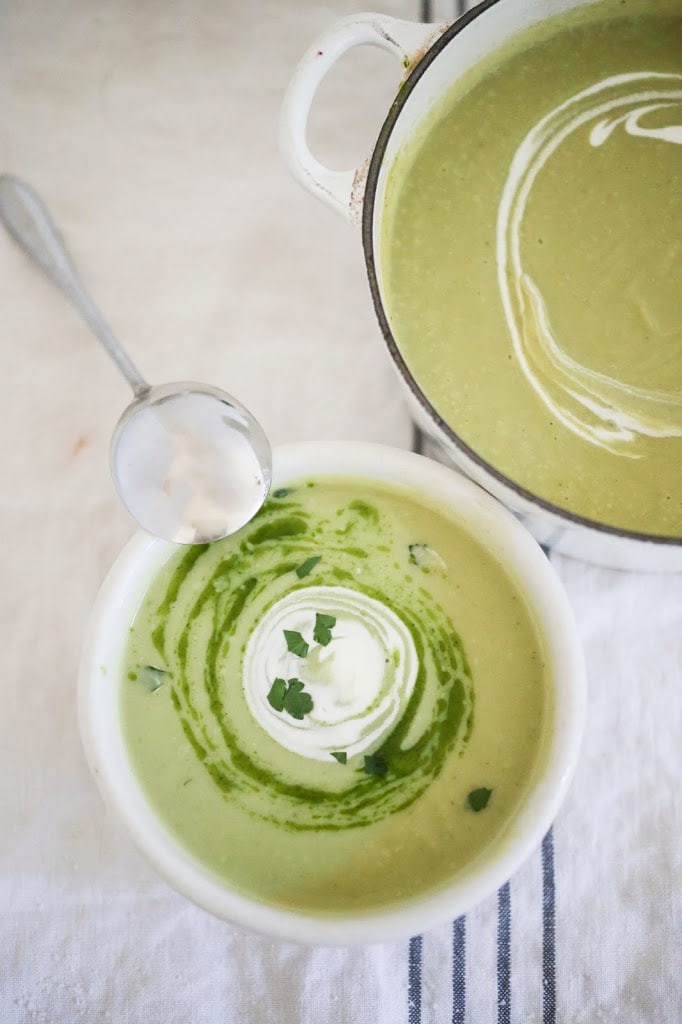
[532, 264]
[416, 723]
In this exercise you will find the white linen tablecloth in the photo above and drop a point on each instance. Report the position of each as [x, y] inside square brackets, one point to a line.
[150, 131]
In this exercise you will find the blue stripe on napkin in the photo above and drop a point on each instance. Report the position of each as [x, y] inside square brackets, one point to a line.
[459, 963]
[414, 981]
[504, 954]
[548, 931]
[548, 917]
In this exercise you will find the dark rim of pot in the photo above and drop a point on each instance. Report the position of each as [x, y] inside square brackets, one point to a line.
[368, 246]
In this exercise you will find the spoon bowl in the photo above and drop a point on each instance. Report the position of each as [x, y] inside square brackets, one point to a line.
[190, 463]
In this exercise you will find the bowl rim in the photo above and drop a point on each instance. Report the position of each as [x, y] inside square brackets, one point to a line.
[98, 689]
[369, 207]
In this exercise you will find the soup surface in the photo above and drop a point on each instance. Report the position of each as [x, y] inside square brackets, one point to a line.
[532, 262]
[340, 706]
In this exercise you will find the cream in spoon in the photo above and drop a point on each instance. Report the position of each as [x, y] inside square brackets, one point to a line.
[186, 467]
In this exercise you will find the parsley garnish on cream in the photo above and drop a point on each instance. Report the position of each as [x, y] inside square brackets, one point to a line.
[290, 696]
[355, 659]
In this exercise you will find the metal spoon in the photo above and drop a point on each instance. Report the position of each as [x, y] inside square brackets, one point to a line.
[190, 463]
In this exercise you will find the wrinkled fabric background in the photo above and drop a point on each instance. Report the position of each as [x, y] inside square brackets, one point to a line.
[150, 130]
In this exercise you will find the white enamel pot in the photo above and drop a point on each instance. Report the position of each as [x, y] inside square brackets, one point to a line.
[432, 58]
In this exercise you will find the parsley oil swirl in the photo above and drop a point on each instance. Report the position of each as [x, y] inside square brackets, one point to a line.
[315, 684]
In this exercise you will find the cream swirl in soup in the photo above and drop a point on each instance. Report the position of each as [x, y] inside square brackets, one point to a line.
[601, 408]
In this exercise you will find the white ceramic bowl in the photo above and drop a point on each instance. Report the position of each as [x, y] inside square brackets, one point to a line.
[102, 671]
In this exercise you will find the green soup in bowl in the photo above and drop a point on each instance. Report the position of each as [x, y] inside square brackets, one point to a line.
[349, 721]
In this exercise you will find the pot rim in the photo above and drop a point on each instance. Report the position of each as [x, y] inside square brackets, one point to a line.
[368, 210]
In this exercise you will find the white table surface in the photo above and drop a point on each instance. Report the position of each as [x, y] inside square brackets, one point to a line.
[149, 129]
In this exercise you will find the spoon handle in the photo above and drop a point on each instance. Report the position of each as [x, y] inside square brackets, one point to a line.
[28, 222]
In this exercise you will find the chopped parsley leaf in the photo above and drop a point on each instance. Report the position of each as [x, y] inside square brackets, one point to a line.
[323, 628]
[306, 567]
[152, 678]
[375, 764]
[276, 695]
[478, 798]
[289, 696]
[297, 702]
[295, 643]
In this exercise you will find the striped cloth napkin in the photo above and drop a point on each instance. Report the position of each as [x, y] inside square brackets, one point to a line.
[589, 930]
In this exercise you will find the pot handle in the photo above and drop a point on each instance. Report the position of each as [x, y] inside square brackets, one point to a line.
[407, 40]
